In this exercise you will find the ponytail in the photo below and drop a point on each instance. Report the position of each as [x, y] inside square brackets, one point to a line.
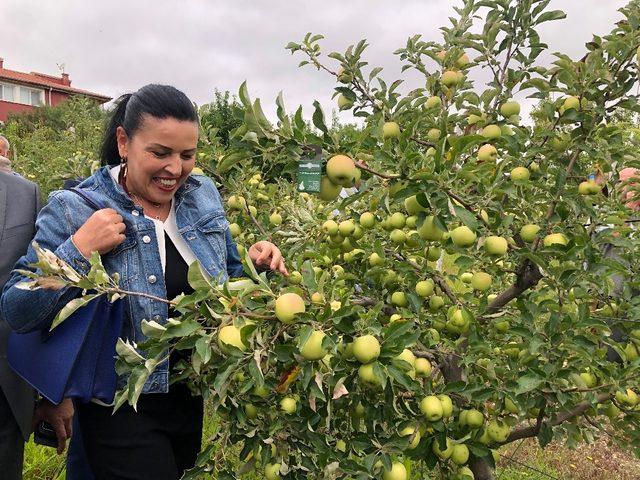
[109, 153]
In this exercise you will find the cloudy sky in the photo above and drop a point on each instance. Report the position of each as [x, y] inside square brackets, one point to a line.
[116, 46]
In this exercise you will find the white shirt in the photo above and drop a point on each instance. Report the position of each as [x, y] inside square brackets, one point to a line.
[169, 226]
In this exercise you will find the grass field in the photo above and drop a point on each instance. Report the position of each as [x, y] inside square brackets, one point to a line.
[523, 461]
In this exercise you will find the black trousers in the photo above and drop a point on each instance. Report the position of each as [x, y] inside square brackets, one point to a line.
[11, 443]
[158, 442]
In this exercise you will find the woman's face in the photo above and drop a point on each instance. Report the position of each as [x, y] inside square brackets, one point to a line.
[160, 156]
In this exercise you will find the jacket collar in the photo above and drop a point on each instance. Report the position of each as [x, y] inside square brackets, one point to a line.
[103, 182]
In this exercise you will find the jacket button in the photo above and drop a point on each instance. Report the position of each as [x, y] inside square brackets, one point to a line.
[146, 239]
[152, 279]
[135, 213]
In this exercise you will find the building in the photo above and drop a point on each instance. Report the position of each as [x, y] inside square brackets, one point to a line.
[22, 92]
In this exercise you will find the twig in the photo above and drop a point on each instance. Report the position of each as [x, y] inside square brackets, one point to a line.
[387, 176]
[256, 223]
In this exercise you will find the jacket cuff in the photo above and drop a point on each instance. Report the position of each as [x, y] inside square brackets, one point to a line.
[68, 252]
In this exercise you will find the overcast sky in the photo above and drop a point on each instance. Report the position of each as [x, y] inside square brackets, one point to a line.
[117, 46]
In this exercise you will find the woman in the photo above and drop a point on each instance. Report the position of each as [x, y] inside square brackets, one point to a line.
[160, 219]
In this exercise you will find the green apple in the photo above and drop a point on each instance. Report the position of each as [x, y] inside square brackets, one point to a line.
[431, 407]
[288, 305]
[412, 221]
[236, 202]
[312, 349]
[367, 220]
[510, 406]
[422, 366]
[346, 228]
[520, 174]
[529, 232]
[230, 335]
[412, 206]
[251, 411]
[466, 277]
[436, 302]
[341, 170]
[498, 431]
[631, 352]
[366, 348]
[433, 102]
[295, 277]
[271, 471]
[481, 281]
[629, 397]
[451, 78]
[510, 108]
[447, 405]
[462, 61]
[491, 132]
[330, 227]
[588, 188]
[407, 356]
[463, 236]
[399, 299]
[262, 391]
[555, 239]
[589, 378]
[408, 432]
[443, 454]
[234, 230]
[344, 103]
[460, 454]
[571, 102]
[495, 245]
[433, 134]
[367, 375]
[398, 236]
[329, 190]
[376, 260]
[288, 405]
[487, 153]
[398, 472]
[474, 419]
[425, 288]
[429, 231]
[432, 253]
[390, 130]
[397, 220]
[473, 119]
[464, 473]
[275, 219]
[343, 76]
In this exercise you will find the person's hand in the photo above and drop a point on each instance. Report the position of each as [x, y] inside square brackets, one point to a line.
[267, 255]
[102, 232]
[60, 417]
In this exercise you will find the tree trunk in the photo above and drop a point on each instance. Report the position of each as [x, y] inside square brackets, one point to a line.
[481, 469]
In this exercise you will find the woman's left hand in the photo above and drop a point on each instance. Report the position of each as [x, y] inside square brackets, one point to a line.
[267, 255]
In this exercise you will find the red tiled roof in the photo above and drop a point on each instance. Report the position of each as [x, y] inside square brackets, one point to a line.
[40, 80]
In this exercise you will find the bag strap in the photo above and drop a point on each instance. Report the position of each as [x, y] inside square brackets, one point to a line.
[93, 202]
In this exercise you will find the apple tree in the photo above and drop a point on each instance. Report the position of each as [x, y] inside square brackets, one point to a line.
[473, 289]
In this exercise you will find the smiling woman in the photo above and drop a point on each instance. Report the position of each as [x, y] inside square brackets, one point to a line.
[159, 218]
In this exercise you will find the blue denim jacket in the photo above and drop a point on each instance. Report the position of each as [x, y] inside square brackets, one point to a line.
[201, 221]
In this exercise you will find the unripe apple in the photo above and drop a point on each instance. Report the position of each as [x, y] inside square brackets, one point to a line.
[250, 411]
[343, 76]
[271, 471]
[474, 419]
[510, 406]
[443, 454]
[253, 210]
[491, 132]
[295, 278]
[288, 305]
[396, 317]
[631, 352]
[433, 102]
[451, 78]
[425, 288]
[376, 260]
[367, 220]
[288, 405]
[464, 473]
[487, 153]
[230, 335]
[510, 108]
[367, 375]
[422, 367]
[330, 227]
[412, 206]
[436, 302]
[472, 119]
[431, 407]
[317, 298]
[412, 221]
[462, 61]
[460, 454]
[627, 398]
[520, 174]
[429, 231]
[433, 134]
[236, 202]
[312, 348]
[529, 232]
[346, 228]
[433, 253]
[481, 281]
[466, 277]
[409, 431]
[588, 188]
[329, 190]
[398, 237]
[498, 431]
[275, 219]
[397, 472]
[463, 236]
[341, 170]
[447, 405]
[344, 103]
[495, 245]
[407, 356]
[589, 379]
[555, 239]
[366, 348]
[234, 230]
[397, 220]
[399, 299]
[390, 130]
[571, 102]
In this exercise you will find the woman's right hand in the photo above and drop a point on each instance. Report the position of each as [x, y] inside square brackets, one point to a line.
[102, 232]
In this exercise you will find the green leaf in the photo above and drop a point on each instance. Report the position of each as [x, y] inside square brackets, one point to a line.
[550, 16]
[70, 308]
[318, 117]
[528, 382]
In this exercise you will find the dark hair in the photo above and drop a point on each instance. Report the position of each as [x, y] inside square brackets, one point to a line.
[158, 101]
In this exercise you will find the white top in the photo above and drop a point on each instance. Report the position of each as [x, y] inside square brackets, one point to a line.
[170, 227]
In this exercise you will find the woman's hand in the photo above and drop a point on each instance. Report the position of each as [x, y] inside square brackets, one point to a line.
[267, 255]
[102, 232]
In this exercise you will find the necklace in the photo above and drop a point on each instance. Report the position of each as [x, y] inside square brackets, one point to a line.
[136, 199]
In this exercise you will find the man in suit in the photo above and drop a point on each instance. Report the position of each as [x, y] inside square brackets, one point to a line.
[19, 206]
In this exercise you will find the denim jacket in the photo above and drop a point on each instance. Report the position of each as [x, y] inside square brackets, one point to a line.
[201, 221]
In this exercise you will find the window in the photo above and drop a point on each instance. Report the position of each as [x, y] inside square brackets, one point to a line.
[31, 96]
[7, 92]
